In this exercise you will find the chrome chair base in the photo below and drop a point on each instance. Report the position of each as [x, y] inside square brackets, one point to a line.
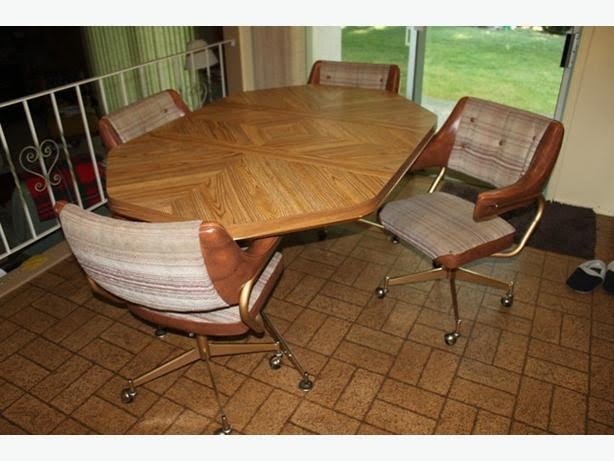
[225, 429]
[129, 393]
[450, 338]
[507, 300]
[438, 273]
[205, 349]
[305, 384]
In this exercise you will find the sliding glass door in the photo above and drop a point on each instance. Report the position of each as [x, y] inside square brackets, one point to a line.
[524, 67]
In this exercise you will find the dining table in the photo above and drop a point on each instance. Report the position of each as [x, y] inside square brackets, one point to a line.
[272, 161]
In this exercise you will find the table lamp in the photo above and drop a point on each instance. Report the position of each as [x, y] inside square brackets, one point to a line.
[198, 60]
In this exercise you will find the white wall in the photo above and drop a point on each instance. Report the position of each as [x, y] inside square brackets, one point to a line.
[267, 56]
[278, 55]
[322, 43]
[584, 174]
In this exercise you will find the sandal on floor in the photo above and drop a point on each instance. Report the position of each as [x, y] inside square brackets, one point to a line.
[608, 284]
[588, 276]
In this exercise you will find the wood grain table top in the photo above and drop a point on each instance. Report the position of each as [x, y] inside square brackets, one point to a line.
[268, 162]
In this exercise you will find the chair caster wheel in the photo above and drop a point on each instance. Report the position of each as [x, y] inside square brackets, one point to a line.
[450, 338]
[380, 292]
[128, 395]
[160, 332]
[507, 300]
[305, 384]
[275, 361]
[225, 429]
[394, 239]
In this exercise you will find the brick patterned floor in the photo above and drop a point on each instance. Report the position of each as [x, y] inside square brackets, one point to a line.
[544, 366]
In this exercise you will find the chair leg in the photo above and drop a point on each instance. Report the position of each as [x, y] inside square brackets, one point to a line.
[226, 429]
[474, 277]
[393, 238]
[305, 384]
[453, 275]
[207, 350]
[184, 359]
[204, 350]
[450, 338]
[425, 276]
[200, 352]
[371, 223]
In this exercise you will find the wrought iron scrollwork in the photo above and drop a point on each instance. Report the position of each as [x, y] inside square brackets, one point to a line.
[46, 156]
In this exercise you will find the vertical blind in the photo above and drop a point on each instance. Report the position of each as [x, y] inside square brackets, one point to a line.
[113, 48]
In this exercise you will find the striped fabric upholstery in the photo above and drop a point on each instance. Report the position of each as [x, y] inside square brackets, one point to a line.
[440, 224]
[361, 75]
[144, 115]
[231, 314]
[138, 262]
[495, 143]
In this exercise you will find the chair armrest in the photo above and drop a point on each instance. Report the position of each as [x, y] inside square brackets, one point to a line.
[498, 201]
[179, 102]
[108, 134]
[229, 266]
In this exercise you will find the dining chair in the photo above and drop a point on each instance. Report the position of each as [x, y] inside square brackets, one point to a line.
[140, 117]
[511, 150]
[356, 74]
[189, 277]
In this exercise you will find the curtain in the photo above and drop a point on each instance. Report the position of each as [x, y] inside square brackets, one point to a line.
[113, 48]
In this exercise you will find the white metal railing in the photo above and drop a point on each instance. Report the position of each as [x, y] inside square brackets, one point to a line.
[49, 151]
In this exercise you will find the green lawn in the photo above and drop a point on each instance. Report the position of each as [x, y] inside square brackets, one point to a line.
[517, 67]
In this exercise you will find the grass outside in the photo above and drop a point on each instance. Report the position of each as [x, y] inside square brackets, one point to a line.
[518, 67]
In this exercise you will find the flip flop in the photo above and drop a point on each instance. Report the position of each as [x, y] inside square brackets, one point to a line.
[608, 284]
[588, 276]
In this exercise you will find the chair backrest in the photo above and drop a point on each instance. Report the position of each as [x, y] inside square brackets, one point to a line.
[141, 117]
[156, 265]
[356, 74]
[495, 143]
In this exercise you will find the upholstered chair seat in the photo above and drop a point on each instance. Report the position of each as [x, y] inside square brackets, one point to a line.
[441, 226]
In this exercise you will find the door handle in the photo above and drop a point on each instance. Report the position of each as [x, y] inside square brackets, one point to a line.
[567, 49]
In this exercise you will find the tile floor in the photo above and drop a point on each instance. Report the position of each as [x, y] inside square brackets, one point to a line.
[544, 366]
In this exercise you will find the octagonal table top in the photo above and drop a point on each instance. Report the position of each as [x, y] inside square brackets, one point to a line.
[269, 162]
